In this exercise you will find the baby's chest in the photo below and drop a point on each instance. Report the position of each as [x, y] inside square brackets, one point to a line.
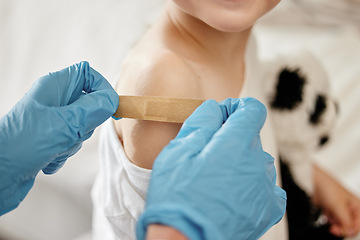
[220, 87]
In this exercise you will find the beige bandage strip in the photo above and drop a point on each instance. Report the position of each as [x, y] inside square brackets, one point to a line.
[161, 109]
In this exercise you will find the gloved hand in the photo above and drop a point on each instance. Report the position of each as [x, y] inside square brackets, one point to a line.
[214, 181]
[48, 125]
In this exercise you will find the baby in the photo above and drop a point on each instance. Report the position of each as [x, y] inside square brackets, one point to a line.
[197, 49]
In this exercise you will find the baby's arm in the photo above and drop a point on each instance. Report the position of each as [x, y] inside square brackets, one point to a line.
[340, 206]
[157, 231]
[164, 74]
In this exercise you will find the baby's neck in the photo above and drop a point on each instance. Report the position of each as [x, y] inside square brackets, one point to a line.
[215, 45]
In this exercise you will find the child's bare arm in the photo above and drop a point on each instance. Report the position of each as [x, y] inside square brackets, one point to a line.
[340, 206]
[165, 74]
[157, 231]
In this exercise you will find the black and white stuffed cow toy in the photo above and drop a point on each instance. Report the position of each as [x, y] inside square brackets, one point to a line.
[303, 114]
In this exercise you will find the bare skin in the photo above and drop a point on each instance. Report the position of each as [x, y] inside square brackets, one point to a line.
[157, 231]
[174, 59]
[340, 206]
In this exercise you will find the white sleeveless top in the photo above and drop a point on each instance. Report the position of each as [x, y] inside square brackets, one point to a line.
[120, 188]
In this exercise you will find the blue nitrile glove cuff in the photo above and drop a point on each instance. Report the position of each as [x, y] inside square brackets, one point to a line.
[188, 221]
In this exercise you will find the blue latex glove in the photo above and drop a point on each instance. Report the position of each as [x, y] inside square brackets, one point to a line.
[48, 125]
[214, 181]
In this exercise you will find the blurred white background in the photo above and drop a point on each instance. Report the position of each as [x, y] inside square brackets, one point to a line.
[40, 36]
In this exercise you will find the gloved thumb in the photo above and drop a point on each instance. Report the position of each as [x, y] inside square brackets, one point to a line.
[89, 111]
[252, 111]
[201, 125]
[246, 117]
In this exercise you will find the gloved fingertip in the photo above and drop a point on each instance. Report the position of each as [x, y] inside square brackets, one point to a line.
[49, 171]
[281, 193]
[114, 99]
[202, 112]
[255, 104]
[228, 106]
[200, 127]
[115, 118]
[53, 167]
[84, 64]
[282, 202]
[269, 158]
[209, 106]
[99, 83]
[250, 114]
[85, 137]
[79, 68]
[206, 104]
[207, 116]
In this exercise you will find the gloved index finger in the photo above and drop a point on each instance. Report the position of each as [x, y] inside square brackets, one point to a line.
[85, 79]
[89, 99]
[244, 114]
[244, 121]
[69, 83]
[202, 124]
[77, 79]
[63, 87]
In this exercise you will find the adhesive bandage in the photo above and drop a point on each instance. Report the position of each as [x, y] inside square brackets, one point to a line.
[161, 109]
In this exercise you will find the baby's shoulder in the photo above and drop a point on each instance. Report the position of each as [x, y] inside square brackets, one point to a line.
[158, 72]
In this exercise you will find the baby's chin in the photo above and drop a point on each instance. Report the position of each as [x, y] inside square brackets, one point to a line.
[227, 20]
[232, 25]
[236, 19]
[232, 28]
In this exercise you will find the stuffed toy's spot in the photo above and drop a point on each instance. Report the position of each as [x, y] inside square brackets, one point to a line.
[289, 89]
